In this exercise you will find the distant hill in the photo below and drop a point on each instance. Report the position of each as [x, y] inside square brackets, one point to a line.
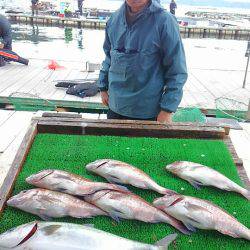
[243, 4]
[215, 3]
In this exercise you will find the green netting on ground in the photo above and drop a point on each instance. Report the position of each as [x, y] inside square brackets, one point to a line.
[71, 153]
[189, 115]
[230, 108]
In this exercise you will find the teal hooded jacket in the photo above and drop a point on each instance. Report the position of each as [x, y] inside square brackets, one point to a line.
[145, 66]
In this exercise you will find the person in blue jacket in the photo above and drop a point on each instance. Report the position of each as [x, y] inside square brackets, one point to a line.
[143, 74]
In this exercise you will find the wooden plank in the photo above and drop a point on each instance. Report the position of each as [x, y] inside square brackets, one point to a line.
[10, 78]
[187, 125]
[30, 85]
[8, 156]
[4, 116]
[8, 185]
[82, 126]
[10, 130]
[64, 115]
[238, 162]
[25, 78]
[51, 89]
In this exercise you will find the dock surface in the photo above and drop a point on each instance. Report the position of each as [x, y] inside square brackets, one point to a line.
[202, 89]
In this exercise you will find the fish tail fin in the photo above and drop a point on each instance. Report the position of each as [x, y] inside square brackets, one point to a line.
[166, 241]
[246, 193]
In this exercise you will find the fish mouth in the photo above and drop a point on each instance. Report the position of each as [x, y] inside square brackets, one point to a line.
[31, 179]
[12, 201]
[16, 199]
[92, 166]
[29, 235]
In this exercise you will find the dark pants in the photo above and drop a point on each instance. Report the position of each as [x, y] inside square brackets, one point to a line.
[80, 7]
[8, 46]
[34, 9]
[112, 115]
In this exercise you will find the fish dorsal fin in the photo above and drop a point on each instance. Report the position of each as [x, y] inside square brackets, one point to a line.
[196, 184]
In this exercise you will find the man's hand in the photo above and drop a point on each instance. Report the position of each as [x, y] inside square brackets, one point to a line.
[1, 46]
[164, 117]
[105, 98]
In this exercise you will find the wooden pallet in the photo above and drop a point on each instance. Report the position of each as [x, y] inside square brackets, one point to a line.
[73, 124]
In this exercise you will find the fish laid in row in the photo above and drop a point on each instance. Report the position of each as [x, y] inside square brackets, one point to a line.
[65, 236]
[132, 207]
[50, 204]
[123, 173]
[69, 183]
[197, 213]
[200, 175]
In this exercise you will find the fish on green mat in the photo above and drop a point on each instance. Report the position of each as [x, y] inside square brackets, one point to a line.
[67, 236]
[200, 175]
[49, 204]
[132, 207]
[202, 214]
[63, 181]
[124, 173]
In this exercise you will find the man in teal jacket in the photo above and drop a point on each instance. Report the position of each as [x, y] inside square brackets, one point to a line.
[144, 71]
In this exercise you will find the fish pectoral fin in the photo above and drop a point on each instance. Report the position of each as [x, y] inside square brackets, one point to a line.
[113, 179]
[196, 184]
[189, 227]
[62, 190]
[116, 215]
[166, 241]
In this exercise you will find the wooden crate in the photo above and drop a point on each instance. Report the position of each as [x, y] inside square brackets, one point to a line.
[74, 124]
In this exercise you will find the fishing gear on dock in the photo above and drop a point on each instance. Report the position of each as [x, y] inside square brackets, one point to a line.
[9, 55]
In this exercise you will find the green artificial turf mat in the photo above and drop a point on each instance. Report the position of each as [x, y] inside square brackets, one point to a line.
[72, 153]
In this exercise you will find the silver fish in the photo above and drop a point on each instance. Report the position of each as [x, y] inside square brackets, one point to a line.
[65, 236]
[132, 207]
[49, 204]
[197, 213]
[121, 172]
[69, 183]
[200, 175]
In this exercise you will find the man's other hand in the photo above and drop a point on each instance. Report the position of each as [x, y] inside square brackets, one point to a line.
[105, 98]
[1, 46]
[164, 117]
